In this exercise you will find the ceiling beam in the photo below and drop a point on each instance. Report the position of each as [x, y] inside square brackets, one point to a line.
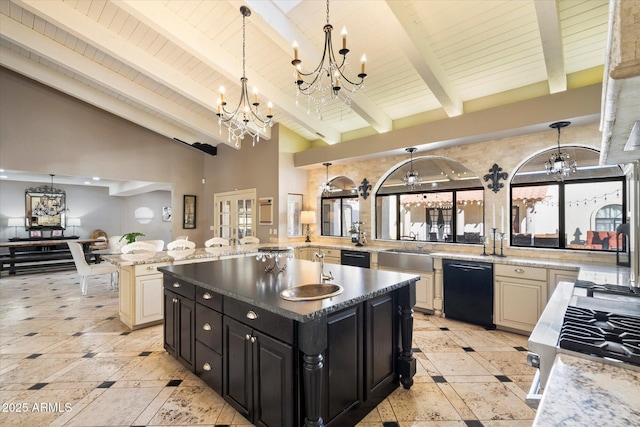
[282, 31]
[162, 20]
[551, 38]
[412, 41]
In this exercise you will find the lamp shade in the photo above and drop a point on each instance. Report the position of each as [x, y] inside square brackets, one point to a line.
[74, 222]
[15, 222]
[307, 217]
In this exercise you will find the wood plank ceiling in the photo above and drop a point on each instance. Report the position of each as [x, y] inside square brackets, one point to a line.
[160, 63]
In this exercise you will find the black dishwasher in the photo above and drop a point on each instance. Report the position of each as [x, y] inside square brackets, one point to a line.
[355, 258]
[468, 291]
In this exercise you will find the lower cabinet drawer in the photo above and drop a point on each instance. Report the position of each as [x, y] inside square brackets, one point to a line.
[270, 323]
[524, 272]
[209, 367]
[209, 327]
[180, 287]
[209, 298]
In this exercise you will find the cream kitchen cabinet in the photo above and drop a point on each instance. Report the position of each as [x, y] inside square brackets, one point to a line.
[306, 253]
[331, 256]
[557, 276]
[141, 297]
[424, 288]
[520, 295]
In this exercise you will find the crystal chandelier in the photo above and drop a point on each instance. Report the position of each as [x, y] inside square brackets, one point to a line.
[328, 81]
[49, 204]
[560, 165]
[245, 119]
[411, 178]
[326, 186]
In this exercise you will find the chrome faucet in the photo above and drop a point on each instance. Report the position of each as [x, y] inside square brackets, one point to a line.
[323, 277]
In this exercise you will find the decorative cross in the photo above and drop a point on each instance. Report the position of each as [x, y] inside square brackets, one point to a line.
[364, 188]
[495, 175]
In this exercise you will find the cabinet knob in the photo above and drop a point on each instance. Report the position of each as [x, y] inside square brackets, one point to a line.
[175, 300]
[176, 284]
[251, 315]
[206, 327]
[519, 270]
[247, 337]
[253, 339]
[206, 367]
[207, 295]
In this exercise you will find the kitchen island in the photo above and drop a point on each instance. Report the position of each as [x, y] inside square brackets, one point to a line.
[289, 363]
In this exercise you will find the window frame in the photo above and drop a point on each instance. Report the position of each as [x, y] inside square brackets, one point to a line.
[343, 233]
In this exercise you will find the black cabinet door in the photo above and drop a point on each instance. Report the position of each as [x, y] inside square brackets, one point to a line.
[169, 322]
[238, 376]
[273, 366]
[381, 342]
[209, 367]
[185, 327]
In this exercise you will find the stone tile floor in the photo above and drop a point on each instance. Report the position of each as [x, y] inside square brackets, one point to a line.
[66, 360]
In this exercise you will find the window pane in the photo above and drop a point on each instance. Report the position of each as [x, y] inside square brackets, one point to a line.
[426, 216]
[386, 214]
[535, 216]
[350, 215]
[331, 217]
[592, 213]
[469, 216]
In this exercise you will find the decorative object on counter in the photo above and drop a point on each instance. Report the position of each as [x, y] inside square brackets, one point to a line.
[15, 223]
[484, 245]
[495, 175]
[307, 218]
[275, 253]
[320, 92]
[356, 233]
[74, 222]
[143, 215]
[560, 165]
[364, 188]
[493, 231]
[411, 179]
[326, 186]
[131, 237]
[246, 118]
[502, 245]
[189, 212]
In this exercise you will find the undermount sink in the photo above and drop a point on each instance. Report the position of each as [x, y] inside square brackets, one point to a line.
[405, 259]
[311, 291]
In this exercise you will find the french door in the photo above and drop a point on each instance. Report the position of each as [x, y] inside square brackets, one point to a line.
[234, 214]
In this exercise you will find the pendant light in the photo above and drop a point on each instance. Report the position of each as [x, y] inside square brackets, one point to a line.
[326, 186]
[560, 164]
[411, 178]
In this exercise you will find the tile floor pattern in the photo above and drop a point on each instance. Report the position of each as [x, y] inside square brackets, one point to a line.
[66, 360]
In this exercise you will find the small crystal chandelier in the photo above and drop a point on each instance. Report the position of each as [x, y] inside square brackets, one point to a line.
[49, 204]
[327, 82]
[560, 165]
[411, 179]
[245, 119]
[326, 186]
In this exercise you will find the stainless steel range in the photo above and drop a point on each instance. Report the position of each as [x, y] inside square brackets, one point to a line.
[600, 322]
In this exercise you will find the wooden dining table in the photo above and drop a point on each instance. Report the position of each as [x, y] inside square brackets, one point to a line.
[33, 251]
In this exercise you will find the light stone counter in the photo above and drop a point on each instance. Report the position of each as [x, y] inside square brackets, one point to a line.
[214, 253]
[583, 392]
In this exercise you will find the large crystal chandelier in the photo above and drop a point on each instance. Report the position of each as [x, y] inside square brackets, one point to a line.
[411, 178]
[560, 165]
[49, 204]
[245, 119]
[328, 81]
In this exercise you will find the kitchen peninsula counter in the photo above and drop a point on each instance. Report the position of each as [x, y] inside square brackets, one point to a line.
[289, 363]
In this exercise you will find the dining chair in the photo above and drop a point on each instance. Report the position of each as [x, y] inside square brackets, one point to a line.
[138, 247]
[180, 244]
[85, 269]
[249, 240]
[216, 241]
[185, 237]
[158, 244]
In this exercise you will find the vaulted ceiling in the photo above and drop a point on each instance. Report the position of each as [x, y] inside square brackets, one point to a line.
[160, 63]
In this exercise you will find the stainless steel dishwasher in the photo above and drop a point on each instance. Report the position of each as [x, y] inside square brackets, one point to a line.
[468, 291]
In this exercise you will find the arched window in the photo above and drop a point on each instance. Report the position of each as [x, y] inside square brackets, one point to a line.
[447, 206]
[576, 212]
[339, 207]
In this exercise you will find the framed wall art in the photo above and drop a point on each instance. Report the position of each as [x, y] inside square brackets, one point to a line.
[189, 216]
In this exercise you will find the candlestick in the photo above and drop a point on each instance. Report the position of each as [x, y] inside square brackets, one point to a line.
[502, 219]
[344, 37]
[502, 245]
[494, 216]
[295, 50]
[493, 230]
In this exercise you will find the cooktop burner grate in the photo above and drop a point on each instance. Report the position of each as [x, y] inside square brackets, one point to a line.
[601, 334]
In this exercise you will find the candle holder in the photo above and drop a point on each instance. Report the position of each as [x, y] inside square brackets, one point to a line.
[502, 245]
[484, 246]
[493, 231]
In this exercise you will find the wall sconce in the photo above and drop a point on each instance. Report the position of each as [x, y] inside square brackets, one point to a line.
[307, 218]
[15, 223]
[143, 215]
[74, 222]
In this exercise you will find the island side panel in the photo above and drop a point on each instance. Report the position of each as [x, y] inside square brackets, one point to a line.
[312, 342]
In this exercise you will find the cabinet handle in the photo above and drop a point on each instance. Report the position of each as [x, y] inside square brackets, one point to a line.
[176, 284]
[252, 315]
[206, 295]
[519, 270]
[175, 300]
[206, 327]
[247, 337]
[206, 367]
[253, 339]
[151, 267]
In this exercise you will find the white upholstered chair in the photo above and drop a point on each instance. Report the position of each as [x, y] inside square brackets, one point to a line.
[216, 241]
[180, 244]
[158, 244]
[138, 247]
[249, 240]
[85, 269]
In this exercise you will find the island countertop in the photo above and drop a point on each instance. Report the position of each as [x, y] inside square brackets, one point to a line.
[245, 279]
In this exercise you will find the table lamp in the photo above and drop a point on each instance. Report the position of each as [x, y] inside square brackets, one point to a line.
[308, 217]
[74, 222]
[15, 223]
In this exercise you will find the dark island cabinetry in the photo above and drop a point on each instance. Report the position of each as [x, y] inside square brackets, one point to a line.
[280, 363]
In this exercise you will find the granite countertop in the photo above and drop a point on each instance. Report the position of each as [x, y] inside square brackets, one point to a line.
[245, 279]
[180, 255]
[584, 392]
